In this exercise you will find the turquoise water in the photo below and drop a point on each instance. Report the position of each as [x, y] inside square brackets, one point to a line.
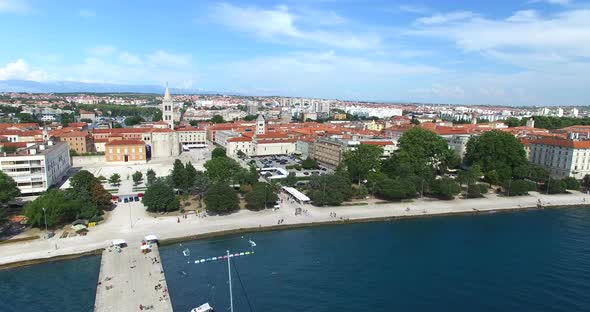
[520, 261]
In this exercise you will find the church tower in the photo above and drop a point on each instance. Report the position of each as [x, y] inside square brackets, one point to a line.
[260, 127]
[167, 108]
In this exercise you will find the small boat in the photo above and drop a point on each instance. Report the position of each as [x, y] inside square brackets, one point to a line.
[205, 307]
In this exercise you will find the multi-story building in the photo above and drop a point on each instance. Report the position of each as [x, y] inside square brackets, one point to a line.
[87, 115]
[38, 166]
[191, 135]
[78, 141]
[328, 152]
[561, 157]
[125, 151]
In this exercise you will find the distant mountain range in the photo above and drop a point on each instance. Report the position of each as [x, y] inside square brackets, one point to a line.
[73, 86]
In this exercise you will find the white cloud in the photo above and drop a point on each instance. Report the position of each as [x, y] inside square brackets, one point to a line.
[130, 59]
[15, 6]
[20, 70]
[446, 18]
[164, 58]
[557, 2]
[86, 13]
[414, 9]
[102, 50]
[264, 23]
[325, 74]
[279, 23]
[566, 33]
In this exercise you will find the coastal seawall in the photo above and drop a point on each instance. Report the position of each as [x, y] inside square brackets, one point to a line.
[169, 231]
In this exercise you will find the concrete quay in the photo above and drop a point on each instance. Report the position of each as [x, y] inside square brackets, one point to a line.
[131, 281]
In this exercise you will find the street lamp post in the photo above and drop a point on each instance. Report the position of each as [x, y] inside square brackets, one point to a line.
[45, 217]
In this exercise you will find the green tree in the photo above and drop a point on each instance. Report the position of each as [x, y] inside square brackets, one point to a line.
[329, 189]
[194, 123]
[191, 175]
[586, 181]
[134, 120]
[217, 119]
[137, 177]
[392, 188]
[263, 195]
[178, 175]
[571, 183]
[9, 149]
[8, 191]
[99, 197]
[160, 197]
[419, 148]
[157, 115]
[221, 199]
[58, 209]
[222, 169]
[514, 122]
[83, 180]
[474, 191]
[309, 163]
[201, 183]
[8, 188]
[445, 188]
[555, 186]
[115, 179]
[150, 176]
[516, 187]
[500, 152]
[364, 159]
[88, 190]
[290, 180]
[218, 152]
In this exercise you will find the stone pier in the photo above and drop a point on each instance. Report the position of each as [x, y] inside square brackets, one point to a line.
[130, 280]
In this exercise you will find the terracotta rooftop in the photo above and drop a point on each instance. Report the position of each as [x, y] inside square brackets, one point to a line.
[125, 142]
[562, 143]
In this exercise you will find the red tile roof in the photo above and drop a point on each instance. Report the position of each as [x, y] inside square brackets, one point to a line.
[562, 143]
[275, 141]
[240, 139]
[125, 142]
[379, 143]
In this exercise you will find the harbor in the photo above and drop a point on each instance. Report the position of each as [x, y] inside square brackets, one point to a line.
[132, 278]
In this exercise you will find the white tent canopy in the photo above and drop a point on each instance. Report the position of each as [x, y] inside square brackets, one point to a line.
[119, 242]
[143, 247]
[300, 197]
[150, 238]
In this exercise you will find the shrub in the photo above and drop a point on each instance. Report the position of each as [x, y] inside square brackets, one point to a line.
[516, 188]
[445, 188]
[571, 183]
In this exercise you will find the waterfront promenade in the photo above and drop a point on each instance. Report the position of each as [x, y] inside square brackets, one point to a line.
[119, 224]
[131, 281]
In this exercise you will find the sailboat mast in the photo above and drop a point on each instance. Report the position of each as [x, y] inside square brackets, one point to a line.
[231, 297]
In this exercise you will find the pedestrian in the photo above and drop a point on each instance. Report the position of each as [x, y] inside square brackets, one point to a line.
[178, 221]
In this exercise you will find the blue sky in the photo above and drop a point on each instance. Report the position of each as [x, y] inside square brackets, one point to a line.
[510, 52]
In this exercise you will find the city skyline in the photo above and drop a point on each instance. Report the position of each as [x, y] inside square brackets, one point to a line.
[511, 53]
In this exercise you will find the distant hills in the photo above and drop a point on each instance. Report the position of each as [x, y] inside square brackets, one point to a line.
[73, 86]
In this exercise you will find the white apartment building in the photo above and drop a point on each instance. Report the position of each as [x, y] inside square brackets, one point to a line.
[561, 157]
[192, 136]
[37, 167]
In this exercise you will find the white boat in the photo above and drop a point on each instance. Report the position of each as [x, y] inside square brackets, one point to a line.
[205, 307]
